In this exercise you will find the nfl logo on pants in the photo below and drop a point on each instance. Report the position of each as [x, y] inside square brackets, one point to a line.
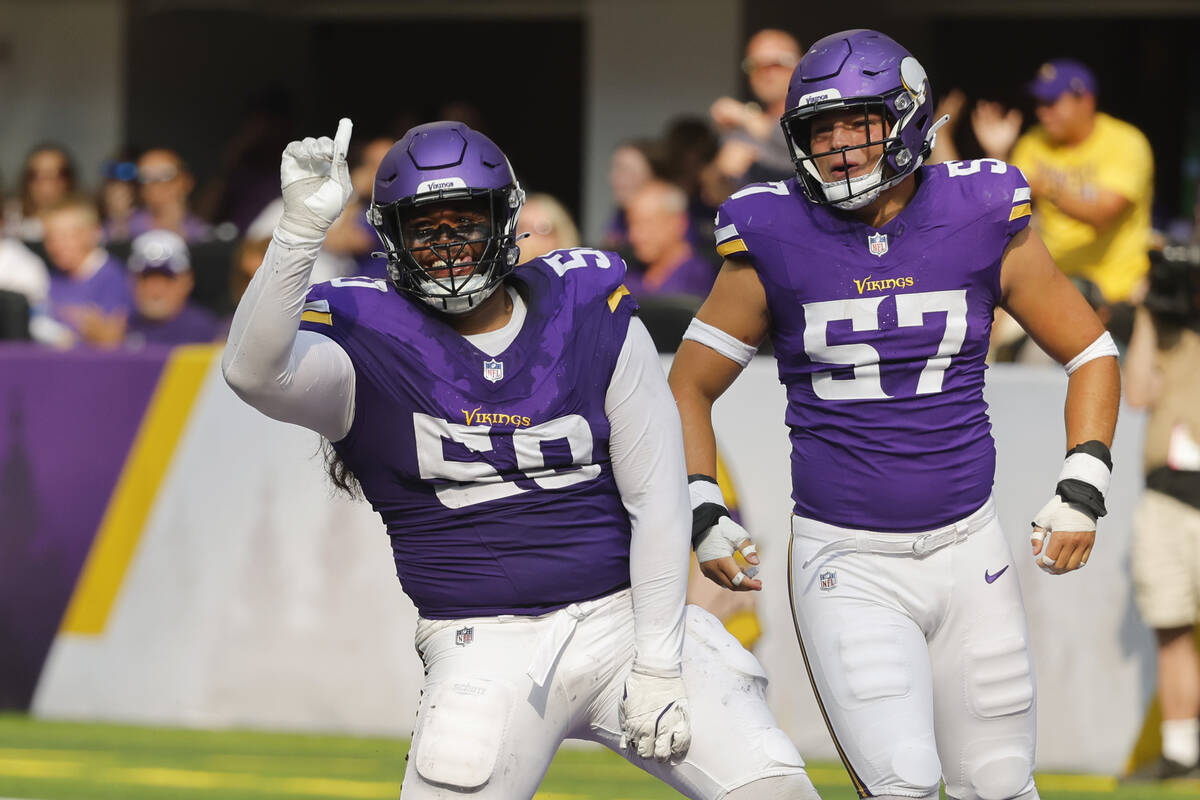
[464, 636]
[828, 580]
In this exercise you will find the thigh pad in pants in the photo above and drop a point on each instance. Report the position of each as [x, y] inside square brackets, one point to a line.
[464, 724]
[999, 675]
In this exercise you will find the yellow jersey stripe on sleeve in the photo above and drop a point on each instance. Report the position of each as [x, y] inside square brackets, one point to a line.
[732, 246]
[323, 317]
[614, 299]
[1022, 210]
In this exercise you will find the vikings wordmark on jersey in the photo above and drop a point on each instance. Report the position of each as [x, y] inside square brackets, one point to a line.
[880, 337]
[492, 474]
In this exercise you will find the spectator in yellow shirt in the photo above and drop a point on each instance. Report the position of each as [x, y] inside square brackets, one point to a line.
[1091, 177]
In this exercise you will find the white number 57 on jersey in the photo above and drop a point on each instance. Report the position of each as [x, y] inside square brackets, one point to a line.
[862, 358]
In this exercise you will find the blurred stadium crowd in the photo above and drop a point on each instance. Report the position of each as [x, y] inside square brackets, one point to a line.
[76, 269]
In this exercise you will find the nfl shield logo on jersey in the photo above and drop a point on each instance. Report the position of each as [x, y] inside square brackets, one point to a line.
[877, 243]
[493, 370]
[464, 636]
[828, 580]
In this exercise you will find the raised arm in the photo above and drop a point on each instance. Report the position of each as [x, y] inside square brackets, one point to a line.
[1058, 318]
[288, 374]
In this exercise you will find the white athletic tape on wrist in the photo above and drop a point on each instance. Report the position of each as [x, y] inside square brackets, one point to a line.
[703, 491]
[1087, 468]
[1103, 346]
[719, 341]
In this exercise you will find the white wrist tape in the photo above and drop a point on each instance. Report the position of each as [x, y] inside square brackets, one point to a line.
[718, 340]
[1086, 468]
[1103, 346]
[702, 492]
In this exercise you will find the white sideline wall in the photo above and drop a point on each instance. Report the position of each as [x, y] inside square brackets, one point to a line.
[257, 599]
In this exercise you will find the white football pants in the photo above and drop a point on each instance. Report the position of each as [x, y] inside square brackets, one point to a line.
[920, 663]
[501, 694]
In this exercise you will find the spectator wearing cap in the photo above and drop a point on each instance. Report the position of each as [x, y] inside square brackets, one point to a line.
[1091, 177]
[117, 197]
[89, 290]
[162, 283]
[166, 185]
[658, 226]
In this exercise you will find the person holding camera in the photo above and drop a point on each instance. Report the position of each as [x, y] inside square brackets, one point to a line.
[1162, 375]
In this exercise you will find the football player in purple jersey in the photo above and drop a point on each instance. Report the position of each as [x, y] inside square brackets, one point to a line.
[514, 430]
[876, 278]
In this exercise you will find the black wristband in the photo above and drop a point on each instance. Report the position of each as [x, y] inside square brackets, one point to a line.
[705, 515]
[1082, 493]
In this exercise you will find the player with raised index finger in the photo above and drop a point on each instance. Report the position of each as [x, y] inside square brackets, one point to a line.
[876, 278]
[513, 429]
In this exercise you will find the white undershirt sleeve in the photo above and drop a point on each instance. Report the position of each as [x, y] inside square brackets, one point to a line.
[288, 374]
[646, 447]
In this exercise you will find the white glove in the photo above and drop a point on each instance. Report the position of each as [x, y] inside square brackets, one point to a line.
[654, 715]
[723, 540]
[316, 186]
[1058, 515]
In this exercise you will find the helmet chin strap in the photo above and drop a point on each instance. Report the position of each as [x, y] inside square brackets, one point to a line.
[469, 298]
[870, 185]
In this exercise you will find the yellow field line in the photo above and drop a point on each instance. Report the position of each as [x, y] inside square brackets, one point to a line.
[25, 768]
[168, 777]
[58, 764]
[23, 753]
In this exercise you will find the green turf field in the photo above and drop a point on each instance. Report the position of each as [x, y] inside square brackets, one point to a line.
[70, 761]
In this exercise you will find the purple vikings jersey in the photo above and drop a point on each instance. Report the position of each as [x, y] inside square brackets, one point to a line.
[880, 337]
[492, 474]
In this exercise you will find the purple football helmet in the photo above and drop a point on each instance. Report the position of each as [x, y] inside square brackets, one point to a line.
[443, 162]
[860, 70]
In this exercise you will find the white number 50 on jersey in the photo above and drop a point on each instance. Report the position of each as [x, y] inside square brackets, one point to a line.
[862, 358]
[478, 481]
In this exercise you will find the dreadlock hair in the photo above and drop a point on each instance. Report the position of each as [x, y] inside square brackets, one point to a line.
[340, 475]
